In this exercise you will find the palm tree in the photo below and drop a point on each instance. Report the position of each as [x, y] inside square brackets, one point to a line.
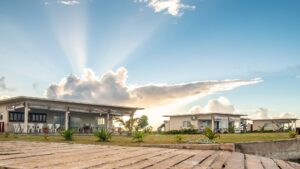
[129, 124]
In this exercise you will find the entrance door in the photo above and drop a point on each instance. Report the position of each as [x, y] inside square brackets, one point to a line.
[1, 127]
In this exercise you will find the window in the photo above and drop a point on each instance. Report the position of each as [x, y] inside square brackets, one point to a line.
[32, 117]
[186, 124]
[37, 117]
[16, 116]
[101, 121]
[1, 116]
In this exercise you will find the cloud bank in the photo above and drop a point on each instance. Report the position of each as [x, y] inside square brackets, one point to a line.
[112, 88]
[263, 113]
[172, 7]
[220, 105]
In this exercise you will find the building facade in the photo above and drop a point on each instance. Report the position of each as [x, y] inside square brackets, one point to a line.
[37, 115]
[215, 121]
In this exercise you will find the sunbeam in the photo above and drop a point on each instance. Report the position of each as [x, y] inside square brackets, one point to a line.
[70, 26]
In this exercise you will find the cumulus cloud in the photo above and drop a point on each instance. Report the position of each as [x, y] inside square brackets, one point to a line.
[172, 7]
[263, 113]
[68, 2]
[112, 88]
[220, 105]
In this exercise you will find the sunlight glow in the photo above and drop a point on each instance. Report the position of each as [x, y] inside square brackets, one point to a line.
[70, 27]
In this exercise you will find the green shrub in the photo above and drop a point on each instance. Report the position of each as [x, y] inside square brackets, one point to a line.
[103, 134]
[138, 136]
[6, 134]
[210, 134]
[178, 138]
[292, 134]
[67, 134]
[183, 131]
[231, 128]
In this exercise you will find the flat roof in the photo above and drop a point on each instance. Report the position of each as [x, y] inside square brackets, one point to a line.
[26, 98]
[197, 114]
[275, 119]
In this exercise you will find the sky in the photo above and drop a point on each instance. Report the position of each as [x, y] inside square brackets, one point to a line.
[168, 56]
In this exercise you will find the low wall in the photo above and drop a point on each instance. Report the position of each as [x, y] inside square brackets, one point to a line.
[222, 147]
[281, 149]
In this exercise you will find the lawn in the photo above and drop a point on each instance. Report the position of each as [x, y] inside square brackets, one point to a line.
[149, 139]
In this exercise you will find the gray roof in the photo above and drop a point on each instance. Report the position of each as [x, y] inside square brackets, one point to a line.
[26, 98]
[197, 114]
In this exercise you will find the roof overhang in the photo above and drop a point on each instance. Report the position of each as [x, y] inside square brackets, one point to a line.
[63, 105]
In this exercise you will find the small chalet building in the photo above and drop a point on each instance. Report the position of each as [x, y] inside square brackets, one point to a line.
[215, 121]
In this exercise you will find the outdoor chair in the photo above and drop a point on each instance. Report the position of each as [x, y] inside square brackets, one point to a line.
[40, 127]
[50, 126]
[16, 127]
[31, 128]
[56, 127]
[21, 128]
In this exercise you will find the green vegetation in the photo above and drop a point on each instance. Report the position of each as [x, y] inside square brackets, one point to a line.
[138, 136]
[231, 128]
[151, 138]
[183, 131]
[67, 134]
[293, 134]
[210, 134]
[135, 124]
[178, 138]
[103, 134]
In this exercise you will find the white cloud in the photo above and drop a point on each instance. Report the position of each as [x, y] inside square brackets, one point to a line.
[263, 113]
[68, 2]
[112, 88]
[172, 7]
[220, 105]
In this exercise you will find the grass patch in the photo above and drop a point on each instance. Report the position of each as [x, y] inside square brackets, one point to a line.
[150, 139]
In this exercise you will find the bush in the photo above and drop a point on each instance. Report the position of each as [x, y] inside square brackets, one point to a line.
[178, 138]
[103, 134]
[210, 134]
[231, 129]
[138, 136]
[183, 131]
[67, 134]
[292, 134]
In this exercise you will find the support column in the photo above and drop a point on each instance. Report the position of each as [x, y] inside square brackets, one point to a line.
[107, 120]
[25, 130]
[67, 119]
[212, 122]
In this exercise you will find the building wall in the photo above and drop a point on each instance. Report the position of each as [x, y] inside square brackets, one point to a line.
[3, 110]
[269, 125]
[84, 118]
[176, 123]
[167, 125]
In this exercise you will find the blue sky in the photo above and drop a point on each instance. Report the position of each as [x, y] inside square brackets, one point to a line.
[43, 41]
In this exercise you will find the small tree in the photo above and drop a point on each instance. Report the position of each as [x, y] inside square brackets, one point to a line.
[142, 122]
[210, 134]
[129, 124]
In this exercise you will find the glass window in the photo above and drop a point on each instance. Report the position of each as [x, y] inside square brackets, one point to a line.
[101, 121]
[1, 116]
[186, 123]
